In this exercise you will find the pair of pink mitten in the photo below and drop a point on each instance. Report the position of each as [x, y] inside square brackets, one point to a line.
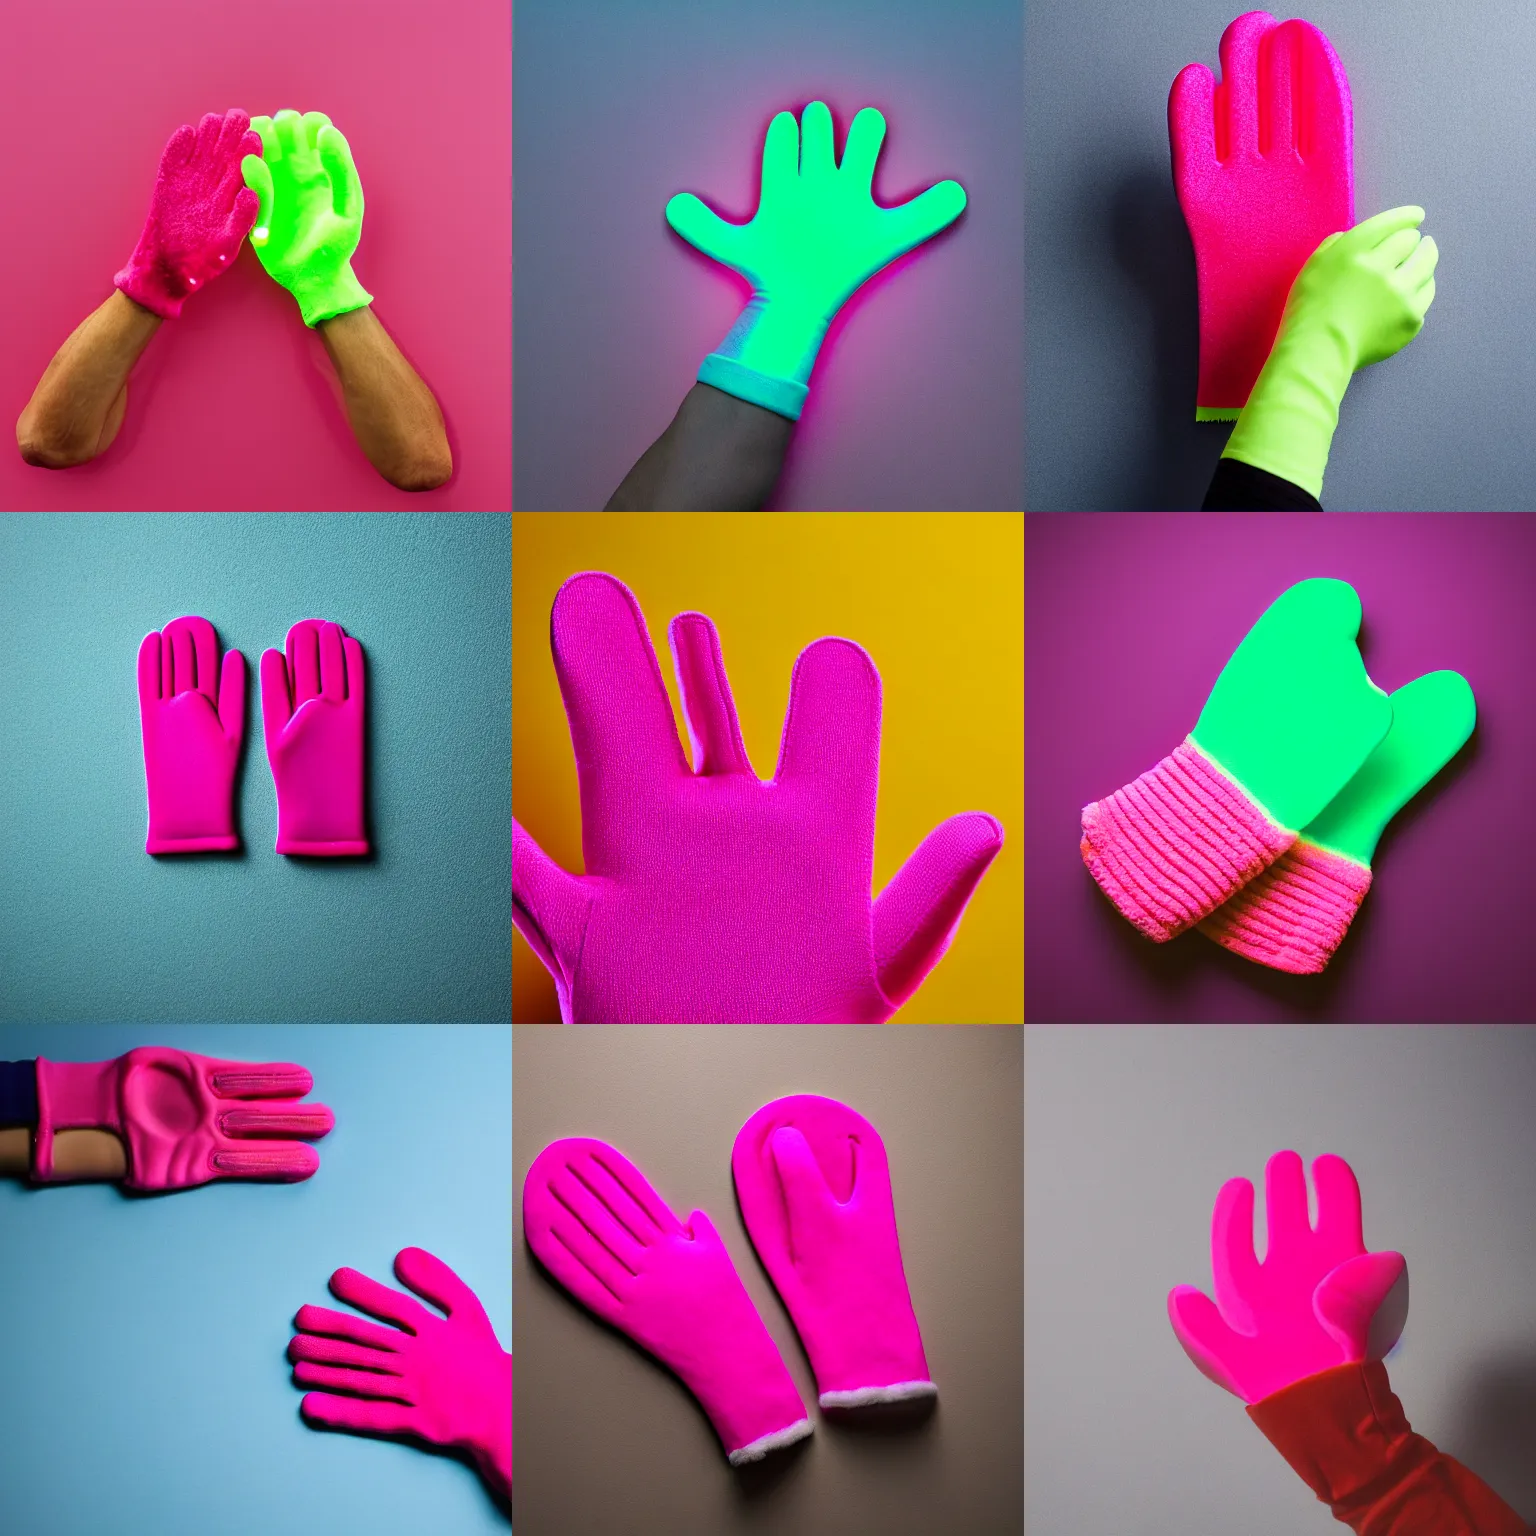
[815, 1192]
[193, 715]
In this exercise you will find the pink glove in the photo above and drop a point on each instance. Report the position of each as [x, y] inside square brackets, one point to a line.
[193, 719]
[200, 212]
[605, 1235]
[184, 1119]
[1318, 1300]
[711, 897]
[815, 1193]
[1264, 167]
[312, 708]
[445, 1381]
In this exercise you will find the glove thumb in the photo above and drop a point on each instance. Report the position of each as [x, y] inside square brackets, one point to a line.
[258, 177]
[1363, 1304]
[549, 909]
[704, 229]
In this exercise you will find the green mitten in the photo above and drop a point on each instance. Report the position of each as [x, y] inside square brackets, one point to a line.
[311, 214]
[1290, 721]
[1294, 914]
[817, 235]
[1361, 296]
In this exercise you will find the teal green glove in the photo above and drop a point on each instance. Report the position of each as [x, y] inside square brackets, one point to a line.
[311, 214]
[817, 235]
[1361, 297]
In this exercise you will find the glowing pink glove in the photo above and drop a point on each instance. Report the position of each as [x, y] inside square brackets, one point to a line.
[199, 213]
[711, 897]
[193, 719]
[599, 1228]
[184, 1119]
[1318, 1300]
[312, 711]
[1264, 167]
[446, 1381]
[815, 1192]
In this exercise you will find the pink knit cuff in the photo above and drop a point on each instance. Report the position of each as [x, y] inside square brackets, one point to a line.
[1294, 915]
[1170, 847]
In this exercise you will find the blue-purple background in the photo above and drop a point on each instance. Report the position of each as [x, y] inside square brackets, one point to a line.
[1128, 619]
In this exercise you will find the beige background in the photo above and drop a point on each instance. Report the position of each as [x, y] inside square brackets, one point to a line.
[610, 1444]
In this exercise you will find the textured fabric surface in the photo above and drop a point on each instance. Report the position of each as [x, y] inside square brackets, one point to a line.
[598, 1227]
[814, 1186]
[1295, 914]
[18, 1093]
[1345, 1434]
[1264, 167]
[199, 213]
[711, 897]
[1171, 846]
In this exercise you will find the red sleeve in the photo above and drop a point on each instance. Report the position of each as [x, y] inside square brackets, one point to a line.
[1345, 1434]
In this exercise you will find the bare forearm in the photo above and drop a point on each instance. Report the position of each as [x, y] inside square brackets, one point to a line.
[79, 403]
[394, 416]
[719, 454]
[84, 1154]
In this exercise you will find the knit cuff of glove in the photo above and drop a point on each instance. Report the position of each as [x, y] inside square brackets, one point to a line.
[862, 1397]
[1171, 846]
[767, 355]
[1293, 916]
[760, 1447]
[339, 294]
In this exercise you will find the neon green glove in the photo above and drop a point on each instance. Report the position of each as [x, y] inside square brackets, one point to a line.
[311, 214]
[1361, 297]
[817, 235]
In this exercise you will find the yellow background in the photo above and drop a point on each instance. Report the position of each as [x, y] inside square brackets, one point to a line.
[937, 599]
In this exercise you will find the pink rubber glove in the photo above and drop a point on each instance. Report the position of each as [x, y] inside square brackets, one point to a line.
[1264, 167]
[184, 1119]
[711, 897]
[599, 1228]
[1318, 1300]
[193, 720]
[446, 1381]
[312, 710]
[815, 1192]
[200, 212]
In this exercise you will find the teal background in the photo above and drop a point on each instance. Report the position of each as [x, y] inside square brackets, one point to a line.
[142, 1339]
[91, 927]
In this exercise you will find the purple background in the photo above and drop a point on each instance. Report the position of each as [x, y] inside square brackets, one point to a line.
[1128, 619]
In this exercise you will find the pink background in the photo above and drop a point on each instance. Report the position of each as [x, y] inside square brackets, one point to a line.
[234, 407]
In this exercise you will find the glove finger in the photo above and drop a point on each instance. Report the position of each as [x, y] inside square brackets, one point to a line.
[1234, 1265]
[1340, 1227]
[276, 707]
[357, 1290]
[1396, 249]
[781, 159]
[288, 128]
[549, 907]
[317, 1349]
[924, 216]
[289, 1162]
[233, 128]
[704, 229]
[1192, 123]
[428, 1276]
[1285, 1203]
[178, 658]
[1420, 266]
[346, 186]
[817, 158]
[806, 1194]
[1423, 297]
[917, 914]
[178, 148]
[209, 127]
[1372, 231]
[356, 1415]
[258, 178]
[708, 708]
[242, 216]
[266, 130]
[866, 134]
[363, 1383]
[257, 1120]
[313, 122]
[1204, 1337]
[149, 668]
[304, 661]
[832, 729]
[328, 1322]
[254, 1079]
[1240, 47]
[333, 667]
[232, 696]
[356, 681]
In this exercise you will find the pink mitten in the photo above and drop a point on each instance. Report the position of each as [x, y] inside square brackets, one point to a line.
[447, 1380]
[815, 1193]
[600, 1229]
[184, 1119]
[711, 897]
[1318, 1299]
[1264, 167]
[312, 707]
[193, 719]
[200, 212]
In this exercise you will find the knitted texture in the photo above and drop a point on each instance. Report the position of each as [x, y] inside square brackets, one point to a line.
[1171, 846]
[1344, 1433]
[815, 1192]
[199, 213]
[1294, 915]
[595, 1223]
[1264, 168]
[711, 897]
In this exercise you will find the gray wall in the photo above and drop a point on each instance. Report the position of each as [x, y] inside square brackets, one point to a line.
[1130, 1132]
[609, 1442]
[1442, 118]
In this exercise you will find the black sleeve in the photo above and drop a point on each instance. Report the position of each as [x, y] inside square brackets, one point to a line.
[1239, 487]
[18, 1093]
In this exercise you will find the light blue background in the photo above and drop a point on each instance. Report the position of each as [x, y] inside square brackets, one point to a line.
[142, 1339]
[91, 927]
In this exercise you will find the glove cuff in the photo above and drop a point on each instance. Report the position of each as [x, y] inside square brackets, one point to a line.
[73, 1095]
[862, 1397]
[338, 849]
[783, 396]
[1294, 915]
[152, 285]
[1171, 846]
[339, 293]
[768, 354]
